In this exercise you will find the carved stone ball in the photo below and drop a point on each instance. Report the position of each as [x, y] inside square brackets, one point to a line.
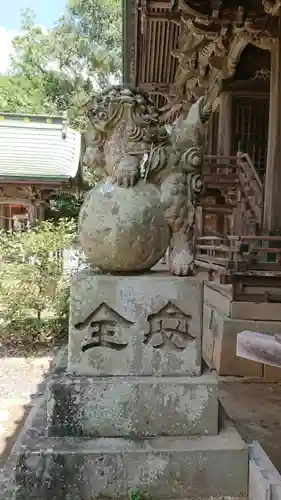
[123, 229]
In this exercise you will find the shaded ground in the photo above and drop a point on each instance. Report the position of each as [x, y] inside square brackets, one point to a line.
[22, 379]
[256, 410]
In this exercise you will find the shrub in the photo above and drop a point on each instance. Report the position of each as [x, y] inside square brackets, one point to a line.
[34, 286]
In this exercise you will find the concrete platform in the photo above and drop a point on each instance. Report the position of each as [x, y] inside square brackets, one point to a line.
[164, 468]
[132, 406]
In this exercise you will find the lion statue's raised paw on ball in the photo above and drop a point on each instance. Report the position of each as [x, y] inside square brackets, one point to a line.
[127, 139]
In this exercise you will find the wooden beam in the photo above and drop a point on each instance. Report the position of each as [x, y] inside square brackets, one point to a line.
[2, 221]
[225, 125]
[272, 198]
[154, 4]
[155, 87]
[164, 16]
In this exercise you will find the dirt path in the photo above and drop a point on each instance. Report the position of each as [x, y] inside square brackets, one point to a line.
[21, 381]
[255, 409]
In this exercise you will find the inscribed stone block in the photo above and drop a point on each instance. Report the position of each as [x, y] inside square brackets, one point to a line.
[135, 325]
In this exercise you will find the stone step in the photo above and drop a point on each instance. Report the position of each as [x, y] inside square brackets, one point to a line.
[132, 406]
[165, 468]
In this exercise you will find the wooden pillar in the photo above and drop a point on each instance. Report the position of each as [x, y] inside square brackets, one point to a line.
[2, 221]
[225, 124]
[41, 212]
[272, 192]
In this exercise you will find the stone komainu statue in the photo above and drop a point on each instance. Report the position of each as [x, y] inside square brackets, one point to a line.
[127, 139]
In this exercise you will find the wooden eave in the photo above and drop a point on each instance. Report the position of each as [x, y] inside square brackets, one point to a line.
[179, 50]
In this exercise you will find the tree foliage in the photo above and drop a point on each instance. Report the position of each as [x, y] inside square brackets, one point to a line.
[54, 71]
[33, 281]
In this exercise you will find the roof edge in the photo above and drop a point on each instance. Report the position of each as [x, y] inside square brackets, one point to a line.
[32, 179]
[33, 117]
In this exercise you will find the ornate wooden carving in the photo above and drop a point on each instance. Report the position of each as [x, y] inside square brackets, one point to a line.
[191, 11]
[272, 6]
[169, 329]
[211, 45]
[206, 49]
[259, 32]
[262, 74]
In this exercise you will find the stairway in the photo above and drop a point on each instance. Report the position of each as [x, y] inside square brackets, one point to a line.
[233, 196]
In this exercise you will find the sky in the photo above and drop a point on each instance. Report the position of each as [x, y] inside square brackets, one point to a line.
[46, 11]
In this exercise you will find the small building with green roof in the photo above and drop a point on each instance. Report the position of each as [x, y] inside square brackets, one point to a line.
[38, 156]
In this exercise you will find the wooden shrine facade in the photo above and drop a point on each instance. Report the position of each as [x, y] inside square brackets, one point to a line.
[230, 51]
[179, 50]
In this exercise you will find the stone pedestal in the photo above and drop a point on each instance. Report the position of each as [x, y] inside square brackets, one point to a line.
[133, 409]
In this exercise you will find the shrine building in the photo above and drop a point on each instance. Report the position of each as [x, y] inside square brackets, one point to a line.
[39, 155]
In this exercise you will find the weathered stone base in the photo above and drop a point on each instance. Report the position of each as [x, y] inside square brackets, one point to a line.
[132, 406]
[193, 468]
[165, 468]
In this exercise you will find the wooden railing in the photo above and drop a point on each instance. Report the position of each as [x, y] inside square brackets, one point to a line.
[251, 264]
[251, 186]
[233, 197]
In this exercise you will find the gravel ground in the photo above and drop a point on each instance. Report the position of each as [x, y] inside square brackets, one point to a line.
[21, 380]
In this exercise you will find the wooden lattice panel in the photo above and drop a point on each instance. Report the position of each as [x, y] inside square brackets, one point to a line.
[250, 128]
